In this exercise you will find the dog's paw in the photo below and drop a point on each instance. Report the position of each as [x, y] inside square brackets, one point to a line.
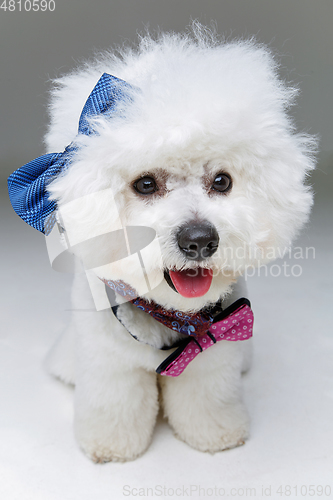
[208, 416]
[224, 428]
[104, 440]
[103, 452]
[115, 411]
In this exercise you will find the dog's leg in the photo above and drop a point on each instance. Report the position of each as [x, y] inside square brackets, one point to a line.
[115, 405]
[115, 414]
[116, 401]
[204, 404]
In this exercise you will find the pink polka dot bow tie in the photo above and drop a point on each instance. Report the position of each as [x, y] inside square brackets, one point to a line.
[233, 324]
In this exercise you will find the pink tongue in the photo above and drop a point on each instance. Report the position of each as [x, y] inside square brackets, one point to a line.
[192, 282]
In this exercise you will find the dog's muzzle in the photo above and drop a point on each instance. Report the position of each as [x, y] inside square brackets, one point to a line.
[198, 240]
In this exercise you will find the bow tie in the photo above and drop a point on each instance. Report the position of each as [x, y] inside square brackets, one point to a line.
[235, 323]
[27, 186]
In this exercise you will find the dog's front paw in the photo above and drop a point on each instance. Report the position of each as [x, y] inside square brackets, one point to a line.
[203, 404]
[214, 430]
[115, 418]
[103, 439]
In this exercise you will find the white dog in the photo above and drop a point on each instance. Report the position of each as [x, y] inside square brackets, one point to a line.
[193, 143]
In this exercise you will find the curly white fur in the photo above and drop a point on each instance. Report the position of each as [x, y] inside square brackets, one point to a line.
[199, 107]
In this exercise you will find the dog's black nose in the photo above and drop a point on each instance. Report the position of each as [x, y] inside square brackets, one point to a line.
[198, 240]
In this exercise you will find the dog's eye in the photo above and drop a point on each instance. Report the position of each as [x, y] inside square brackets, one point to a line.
[222, 183]
[145, 185]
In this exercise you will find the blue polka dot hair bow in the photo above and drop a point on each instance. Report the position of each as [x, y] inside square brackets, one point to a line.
[27, 186]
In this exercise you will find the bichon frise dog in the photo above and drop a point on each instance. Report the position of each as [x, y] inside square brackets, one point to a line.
[177, 168]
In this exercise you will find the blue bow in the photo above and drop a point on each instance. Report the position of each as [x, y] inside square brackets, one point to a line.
[27, 186]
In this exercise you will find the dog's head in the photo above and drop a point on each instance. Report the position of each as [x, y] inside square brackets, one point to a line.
[203, 152]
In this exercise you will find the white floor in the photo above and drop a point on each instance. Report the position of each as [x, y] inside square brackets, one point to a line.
[289, 391]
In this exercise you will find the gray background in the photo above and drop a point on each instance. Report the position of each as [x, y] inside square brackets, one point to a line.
[36, 47]
[288, 390]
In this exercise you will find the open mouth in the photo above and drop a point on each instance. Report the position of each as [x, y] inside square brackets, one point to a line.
[190, 282]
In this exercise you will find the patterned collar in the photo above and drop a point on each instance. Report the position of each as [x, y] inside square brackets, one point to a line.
[235, 323]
